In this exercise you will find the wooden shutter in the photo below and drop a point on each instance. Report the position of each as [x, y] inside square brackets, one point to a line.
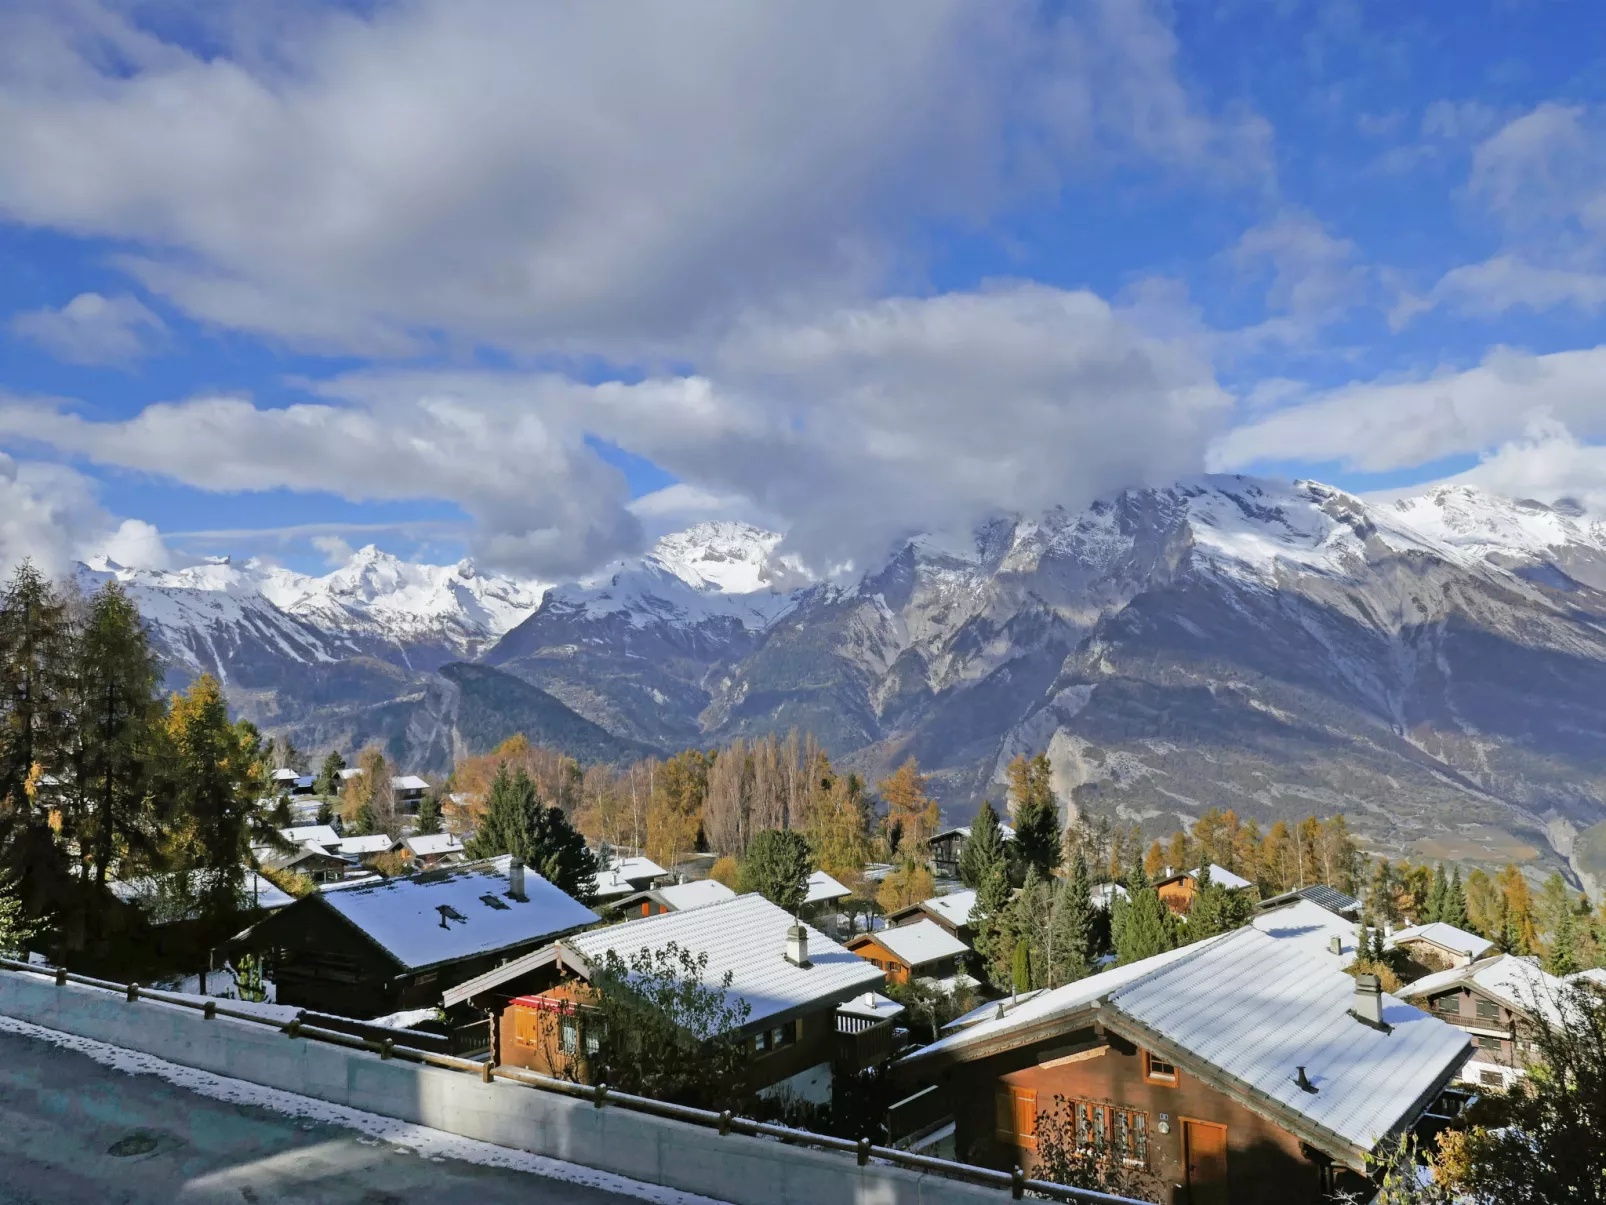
[1026, 1117]
[1004, 1114]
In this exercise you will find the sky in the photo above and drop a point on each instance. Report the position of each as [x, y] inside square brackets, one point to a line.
[537, 282]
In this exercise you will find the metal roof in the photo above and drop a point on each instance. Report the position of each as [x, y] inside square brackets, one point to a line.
[444, 915]
[684, 896]
[1446, 936]
[745, 936]
[1319, 894]
[917, 944]
[1256, 1007]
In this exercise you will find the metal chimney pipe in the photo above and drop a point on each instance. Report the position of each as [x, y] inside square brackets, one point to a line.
[515, 877]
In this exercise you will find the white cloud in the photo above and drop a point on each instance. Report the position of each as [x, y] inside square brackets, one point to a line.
[336, 549]
[139, 545]
[1311, 277]
[49, 514]
[850, 431]
[1548, 463]
[568, 177]
[1385, 425]
[91, 329]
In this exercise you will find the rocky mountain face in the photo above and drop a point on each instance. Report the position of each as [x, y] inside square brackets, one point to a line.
[1433, 667]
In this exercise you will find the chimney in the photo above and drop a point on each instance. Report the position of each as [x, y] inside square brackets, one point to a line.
[1335, 944]
[797, 945]
[1369, 1002]
[515, 877]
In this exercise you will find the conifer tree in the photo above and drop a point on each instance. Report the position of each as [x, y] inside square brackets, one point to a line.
[777, 866]
[983, 848]
[1021, 967]
[991, 920]
[429, 815]
[1454, 911]
[517, 822]
[1037, 819]
[1561, 959]
[910, 809]
[1215, 908]
[1148, 927]
[328, 784]
[1072, 931]
[1433, 910]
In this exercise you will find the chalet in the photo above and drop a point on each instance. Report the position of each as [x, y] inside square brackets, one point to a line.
[408, 790]
[951, 912]
[375, 949]
[680, 897]
[1330, 898]
[364, 849]
[285, 781]
[947, 845]
[310, 834]
[1246, 1068]
[1177, 891]
[312, 861]
[792, 978]
[865, 1032]
[1494, 1001]
[823, 902]
[434, 850]
[923, 950]
[1438, 947]
[626, 876]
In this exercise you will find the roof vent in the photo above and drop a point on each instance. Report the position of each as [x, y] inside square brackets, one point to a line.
[797, 945]
[1303, 1081]
[515, 877]
[1368, 1008]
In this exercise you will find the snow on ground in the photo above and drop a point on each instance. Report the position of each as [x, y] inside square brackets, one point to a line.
[435, 1145]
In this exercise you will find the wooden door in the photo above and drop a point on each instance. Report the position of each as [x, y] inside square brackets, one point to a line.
[1204, 1146]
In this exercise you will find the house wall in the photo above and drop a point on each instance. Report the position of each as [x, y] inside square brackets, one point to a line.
[1178, 895]
[1266, 1165]
[1502, 1050]
[873, 952]
[651, 1150]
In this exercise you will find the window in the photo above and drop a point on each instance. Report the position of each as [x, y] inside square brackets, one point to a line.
[569, 1035]
[1491, 1079]
[1497, 1045]
[1016, 1116]
[1157, 1071]
[1112, 1128]
[1488, 1010]
[1447, 1004]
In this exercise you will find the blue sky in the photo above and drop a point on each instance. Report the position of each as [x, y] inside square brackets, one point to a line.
[534, 284]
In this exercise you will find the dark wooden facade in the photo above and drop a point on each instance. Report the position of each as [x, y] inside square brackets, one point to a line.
[897, 970]
[915, 913]
[1500, 1034]
[1203, 1146]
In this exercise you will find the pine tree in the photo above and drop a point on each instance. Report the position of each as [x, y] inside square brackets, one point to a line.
[1455, 903]
[1073, 932]
[328, 784]
[983, 849]
[1437, 898]
[1216, 909]
[117, 711]
[777, 866]
[1148, 929]
[429, 815]
[991, 921]
[1021, 967]
[1037, 818]
[1561, 959]
[517, 822]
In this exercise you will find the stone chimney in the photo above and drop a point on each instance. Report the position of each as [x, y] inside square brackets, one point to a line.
[1368, 1001]
[797, 945]
[515, 877]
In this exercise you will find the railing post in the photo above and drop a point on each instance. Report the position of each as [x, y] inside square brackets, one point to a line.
[864, 1151]
[600, 1095]
[725, 1123]
[133, 992]
[1017, 1184]
[387, 1048]
[293, 1030]
[485, 1071]
[210, 1011]
[61, 976]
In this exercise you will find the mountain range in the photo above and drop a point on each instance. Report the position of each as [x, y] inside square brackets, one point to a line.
[1433, 666]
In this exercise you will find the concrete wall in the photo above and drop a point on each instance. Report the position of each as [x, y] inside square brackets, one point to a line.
[736, 1168]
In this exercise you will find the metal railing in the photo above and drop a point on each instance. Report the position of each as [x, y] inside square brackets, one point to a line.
[600, 1095]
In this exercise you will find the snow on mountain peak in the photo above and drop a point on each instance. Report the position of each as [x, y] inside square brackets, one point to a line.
[722, 556]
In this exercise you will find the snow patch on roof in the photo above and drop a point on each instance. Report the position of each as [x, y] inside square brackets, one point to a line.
[920, 943]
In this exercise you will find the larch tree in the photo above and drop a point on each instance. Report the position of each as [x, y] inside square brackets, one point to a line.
[838, 830]
[674, 817]
[910, 809]
[909, 884]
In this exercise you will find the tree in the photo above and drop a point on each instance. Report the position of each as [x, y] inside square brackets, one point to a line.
[15, 929]
[1074, 929]
[655, 1027]
[1454, 911]
[910, 809]
[991, 920]
[1216, 909]
[360, 788]
[328, 784]
[983, 849]
[1020, 975]
[117, 710]
[1083, 1160]
[1518, 932]
[1437, 899]
[214, 776]
[837, 829]
[1036, 812]
[517, 822]
[1148, 927]
[778, 866]
[728, 871]
[1551, 1143]
[1154, 860]
[674, 816]
[1561, 959]
[284, 754]
[910, 883]
[429, 815]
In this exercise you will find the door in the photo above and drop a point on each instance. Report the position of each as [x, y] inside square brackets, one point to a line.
[1204, 1151]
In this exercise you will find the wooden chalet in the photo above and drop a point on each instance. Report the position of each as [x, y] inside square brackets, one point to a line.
[1247, 1068]
[947, 845]
[678, 897]
[950, 912]
[1494, 1001]
[1438, 947]
[377, 948]
[312, 861]
[922, 950]
[1177, 891]
[792, 977]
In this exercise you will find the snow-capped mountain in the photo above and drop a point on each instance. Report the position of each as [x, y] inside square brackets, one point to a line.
[1434, 666]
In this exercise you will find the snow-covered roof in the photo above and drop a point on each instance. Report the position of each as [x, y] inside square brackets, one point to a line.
[350, 772]
[822, 887]
[620, 875]
[745, 936]
[683, 897]
[374, 843]
[963, 830]
[872, 1005]
[445, 915]
[432, 844]
[284, 774]
[1104, 894]
[146, 893]
[1311, 925]
[265, 895]
[310, 834]
[1320, 894]
[408, 782]
[917, 944]
[989, 1010]
[954, 908]
[1447, 936]
[1255, 1007]
[1595, 977]
[1219, 875]
[1519, 983]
